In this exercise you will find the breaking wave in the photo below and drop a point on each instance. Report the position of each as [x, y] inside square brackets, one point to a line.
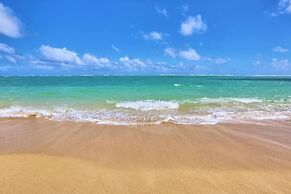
[148, 105]
[200, 111]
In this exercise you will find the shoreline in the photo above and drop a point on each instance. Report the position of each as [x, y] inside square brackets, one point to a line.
[237, 121]
[43, 156]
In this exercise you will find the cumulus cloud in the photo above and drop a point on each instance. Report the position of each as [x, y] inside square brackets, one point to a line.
[280, 49]
[10, 25]
[131, 62]
[90, 59]
[139, 65]
[162, 11]
[284, 6]
[55, 58]
[193, 25]
[153, 36]
[65, 58]
[171, 52]
[60, 55]
[6, 49]
[189, 54]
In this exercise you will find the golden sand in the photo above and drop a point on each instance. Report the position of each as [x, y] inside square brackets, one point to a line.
[41, 156]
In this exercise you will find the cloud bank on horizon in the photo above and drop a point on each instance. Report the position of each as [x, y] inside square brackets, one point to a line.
[145, 37]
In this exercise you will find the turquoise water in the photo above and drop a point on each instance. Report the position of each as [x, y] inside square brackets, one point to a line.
[147, 99]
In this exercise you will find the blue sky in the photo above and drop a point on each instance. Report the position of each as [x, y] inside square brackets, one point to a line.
[62, 37]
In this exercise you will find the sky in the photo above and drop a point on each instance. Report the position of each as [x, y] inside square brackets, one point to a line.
[145, 37]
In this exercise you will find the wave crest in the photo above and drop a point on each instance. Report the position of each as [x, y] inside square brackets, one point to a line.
[148, 105]
[199, 111]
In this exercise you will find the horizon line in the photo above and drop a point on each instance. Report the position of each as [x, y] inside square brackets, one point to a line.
[145, 75]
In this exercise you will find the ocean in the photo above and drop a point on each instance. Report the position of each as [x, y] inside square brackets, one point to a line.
[124, 100]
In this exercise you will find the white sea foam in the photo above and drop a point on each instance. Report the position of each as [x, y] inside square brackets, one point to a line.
[177, 85]
[148, 105]
[157, 111]
[229, 99]
[19, 111]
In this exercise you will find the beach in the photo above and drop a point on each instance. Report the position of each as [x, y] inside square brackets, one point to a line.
[145, 134]
[145, 97]
[44, 156]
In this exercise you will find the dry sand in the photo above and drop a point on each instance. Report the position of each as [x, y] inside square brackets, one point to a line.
[41, 156]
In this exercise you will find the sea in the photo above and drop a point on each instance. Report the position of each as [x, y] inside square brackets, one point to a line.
[126, 100]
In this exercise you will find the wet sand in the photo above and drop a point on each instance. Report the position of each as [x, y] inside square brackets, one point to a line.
[42, 156]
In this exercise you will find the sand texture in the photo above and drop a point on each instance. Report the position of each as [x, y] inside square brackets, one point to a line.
[42, 156]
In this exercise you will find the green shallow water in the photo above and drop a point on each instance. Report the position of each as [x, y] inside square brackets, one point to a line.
[118, 88]
[192, 93]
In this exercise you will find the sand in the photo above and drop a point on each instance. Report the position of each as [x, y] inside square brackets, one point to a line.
[42, 156]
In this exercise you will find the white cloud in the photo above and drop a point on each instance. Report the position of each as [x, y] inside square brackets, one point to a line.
[284, 6]
[115, 48]
[60, 55]
[92, 60]
[171, 52]
[6, 49]
[153, 36]
[66, 58]
[193, 25]
[189, 54]
[281, 64]
[132, 62]
[9, 53]
[10, 58]
[10, 25]
[162, 11]
[280, 49]
[138, 65]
